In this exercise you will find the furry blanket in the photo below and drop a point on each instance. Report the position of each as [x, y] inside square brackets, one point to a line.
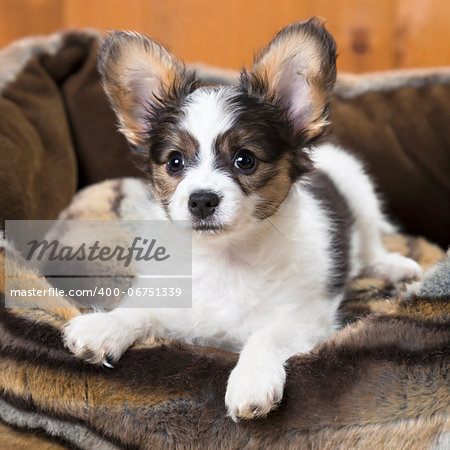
[380, 382]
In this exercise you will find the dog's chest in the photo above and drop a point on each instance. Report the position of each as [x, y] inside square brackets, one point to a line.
[236, 293]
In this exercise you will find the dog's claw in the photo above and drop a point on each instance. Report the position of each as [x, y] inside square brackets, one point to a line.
[106, 363]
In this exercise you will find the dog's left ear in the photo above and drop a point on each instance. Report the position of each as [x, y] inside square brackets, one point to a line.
[298, 70]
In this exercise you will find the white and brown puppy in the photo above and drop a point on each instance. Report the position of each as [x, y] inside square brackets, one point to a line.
[278, 230]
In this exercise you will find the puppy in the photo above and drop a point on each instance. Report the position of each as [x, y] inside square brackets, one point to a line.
[278, 230]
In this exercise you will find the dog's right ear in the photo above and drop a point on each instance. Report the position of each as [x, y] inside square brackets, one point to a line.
[136, 72]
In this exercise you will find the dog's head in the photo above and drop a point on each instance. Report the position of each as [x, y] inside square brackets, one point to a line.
[222, 157]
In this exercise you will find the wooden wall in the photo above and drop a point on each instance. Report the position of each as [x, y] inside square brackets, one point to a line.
[371, 34]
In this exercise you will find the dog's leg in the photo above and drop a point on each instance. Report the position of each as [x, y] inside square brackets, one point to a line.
[354, 184]
[102, 338]
[377, 261]
[256, 384]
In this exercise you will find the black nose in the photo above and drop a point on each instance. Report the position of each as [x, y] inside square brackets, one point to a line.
[203, 203]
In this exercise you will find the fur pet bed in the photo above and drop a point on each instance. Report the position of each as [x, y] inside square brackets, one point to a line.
[380, 382]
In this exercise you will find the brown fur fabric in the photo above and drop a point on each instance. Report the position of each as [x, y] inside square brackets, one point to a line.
[401, 134]
[11, 438]
[57, 131]
[380, 382]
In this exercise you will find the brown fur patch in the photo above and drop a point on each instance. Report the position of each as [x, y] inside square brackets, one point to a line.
[274, 187]
[272, 177]
[176, 140]
[21, 277]
[11, 438]
[422, 307]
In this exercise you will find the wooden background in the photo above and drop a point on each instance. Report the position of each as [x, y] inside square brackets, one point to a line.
[371, 34]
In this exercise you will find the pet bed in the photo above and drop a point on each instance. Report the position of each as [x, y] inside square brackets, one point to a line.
[380, 382]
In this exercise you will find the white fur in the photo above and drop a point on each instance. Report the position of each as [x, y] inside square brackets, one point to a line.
[262, 289]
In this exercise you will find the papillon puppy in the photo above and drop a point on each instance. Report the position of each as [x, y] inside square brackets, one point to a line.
[279, 225]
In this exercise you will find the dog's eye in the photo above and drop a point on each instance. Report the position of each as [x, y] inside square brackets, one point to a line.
[175, 163]
[245, 161]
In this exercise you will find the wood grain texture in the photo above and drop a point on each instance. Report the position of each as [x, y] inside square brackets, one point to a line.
[371, 34]
[19, 18]
[422, 30]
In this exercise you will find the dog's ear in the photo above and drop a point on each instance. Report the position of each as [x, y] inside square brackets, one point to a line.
[136, 71]
[297, 70]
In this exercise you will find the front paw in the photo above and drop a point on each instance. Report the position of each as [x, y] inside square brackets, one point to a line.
[98, 338]
[254, 392]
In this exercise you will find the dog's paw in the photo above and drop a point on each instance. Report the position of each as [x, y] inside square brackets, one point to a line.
[253, 392]
[98, 338]
[394, 267]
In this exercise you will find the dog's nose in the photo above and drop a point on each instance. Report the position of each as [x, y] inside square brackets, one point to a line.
[203, 203]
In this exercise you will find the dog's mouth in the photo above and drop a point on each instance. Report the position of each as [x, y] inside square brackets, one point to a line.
[208, 228]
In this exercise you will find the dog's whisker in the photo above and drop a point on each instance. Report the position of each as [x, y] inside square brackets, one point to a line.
[277, 230]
